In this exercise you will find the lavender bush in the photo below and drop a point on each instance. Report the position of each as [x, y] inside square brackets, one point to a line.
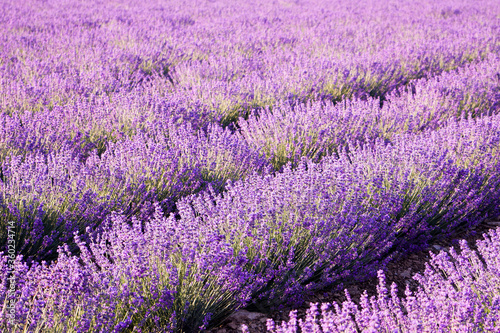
[456, 293]
[51, 197]
[160, 275]
[288, 132]
[215, 61]
[269, 238]
[173, 162]
[321, 221]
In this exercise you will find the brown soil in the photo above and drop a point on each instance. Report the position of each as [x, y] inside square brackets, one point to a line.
[399, 271]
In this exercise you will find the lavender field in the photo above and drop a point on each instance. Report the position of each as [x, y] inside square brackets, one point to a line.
[165, 163]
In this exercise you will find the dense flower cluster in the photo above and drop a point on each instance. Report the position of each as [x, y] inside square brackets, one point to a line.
[319, 221]
[457, 293]
[53, 195]
[288, 131]
[161, 273]
[165, 164]
[101, 70]
[267, 239]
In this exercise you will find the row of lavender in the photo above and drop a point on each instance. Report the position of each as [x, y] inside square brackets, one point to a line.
[285, 132]
[103, 112]
[458, 293]
[267, 239]
[51, 196]
[79, 78]
[102, 70]
[295, 129]
[51, 187]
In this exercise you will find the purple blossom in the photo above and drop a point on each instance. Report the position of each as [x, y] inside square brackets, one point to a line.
[457, 293]
[176, 162]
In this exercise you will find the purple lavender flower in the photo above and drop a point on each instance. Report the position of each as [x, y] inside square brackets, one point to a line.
[457, 293]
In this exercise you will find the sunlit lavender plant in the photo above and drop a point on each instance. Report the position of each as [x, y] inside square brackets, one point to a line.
[456, 293]
[288, 132]
[154, 275]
